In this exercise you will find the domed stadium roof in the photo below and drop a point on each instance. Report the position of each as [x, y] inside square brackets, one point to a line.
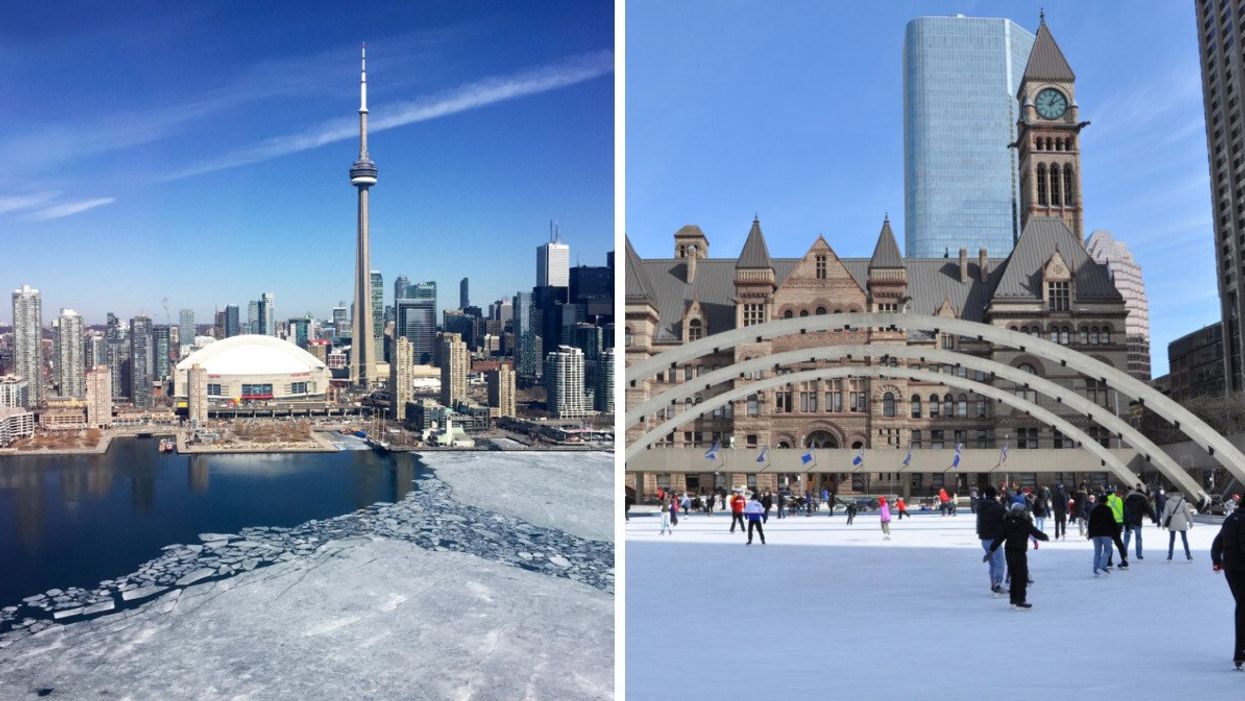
[252, 354]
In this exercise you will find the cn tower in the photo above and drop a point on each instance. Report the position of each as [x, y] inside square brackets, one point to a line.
[362, 176]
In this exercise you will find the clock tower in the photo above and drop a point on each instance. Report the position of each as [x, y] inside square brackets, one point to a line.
[1048, 136]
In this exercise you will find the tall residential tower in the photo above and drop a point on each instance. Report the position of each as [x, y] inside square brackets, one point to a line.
[363, 177]
[28, 339]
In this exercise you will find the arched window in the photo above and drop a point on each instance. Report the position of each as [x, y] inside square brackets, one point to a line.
[1054, 334]
[857, 445]
[788, 314]
[821, 311]
[1024, 330]
[915, 402]
[803, 312]
[948, 405]
[961, 406]
[838, 311]
[1055, 200]
[888, 404]
[1058, 144]
[1025, 367]
[1067, 184]
[1093, 335]
[1065, 336]
[1084, 336]
[1106, 334]
[1048, 143]
[933, 406]
[695, 330]
[981, 406]
[1041, 183]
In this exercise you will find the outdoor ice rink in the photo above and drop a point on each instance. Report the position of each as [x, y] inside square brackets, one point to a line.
[830, 611]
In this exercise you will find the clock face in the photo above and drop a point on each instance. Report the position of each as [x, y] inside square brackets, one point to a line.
[1051, 103]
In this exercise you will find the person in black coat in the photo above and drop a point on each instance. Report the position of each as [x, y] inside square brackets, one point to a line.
[1017, 530]
[1059, 504]
[1136, 508]
[1227, 555]
[990, 515]
[1104, 531]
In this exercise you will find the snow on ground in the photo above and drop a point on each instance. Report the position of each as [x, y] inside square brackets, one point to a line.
[362, 618]
[572, 491]
[825, 610]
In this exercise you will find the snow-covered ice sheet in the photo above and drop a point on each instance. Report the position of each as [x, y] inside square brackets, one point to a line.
[824, 611]
[362, 618]
[570, 491]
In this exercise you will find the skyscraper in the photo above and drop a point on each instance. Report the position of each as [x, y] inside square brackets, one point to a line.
[341, 320]
[267, 315]
[564, 383]
[400, 388]
[1223, 83]
[28, 339]
[363, 176]
[464, 298]
[99, 397]
[142, 361]
[961, 188]
[186, 330]
[1126, 274]
[501, 390]
[197, 395]
[526, 354]
[603, 397]
[400, 284]
[252, 316]
[378, 313]
[161, 348]
[233, 326]
[553, 262]
[454, 364]
[417, 320]
[67, 344]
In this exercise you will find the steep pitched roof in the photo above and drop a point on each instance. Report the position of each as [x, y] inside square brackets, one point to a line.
[1042, 236]
[755, 253]
[639, 287]
[886, 252]
[1046, 61]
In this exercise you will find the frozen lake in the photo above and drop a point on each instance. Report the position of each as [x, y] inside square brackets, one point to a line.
[827, 610]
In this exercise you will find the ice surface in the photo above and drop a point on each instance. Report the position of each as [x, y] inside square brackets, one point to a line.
[827, 610]
[363, 618]
[571, 491]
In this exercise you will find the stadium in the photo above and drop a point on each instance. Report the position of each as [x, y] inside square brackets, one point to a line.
[254, 367]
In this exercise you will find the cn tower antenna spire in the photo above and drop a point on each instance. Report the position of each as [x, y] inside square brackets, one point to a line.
[363, 81]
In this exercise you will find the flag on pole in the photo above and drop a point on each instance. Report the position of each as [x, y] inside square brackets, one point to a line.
[763, 454]
[1003, 454]
[907, 461]
[955, 462]
[712, 453]
[860, 458]
[807, 457]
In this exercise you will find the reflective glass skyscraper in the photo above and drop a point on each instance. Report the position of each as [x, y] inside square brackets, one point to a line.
[961, 75]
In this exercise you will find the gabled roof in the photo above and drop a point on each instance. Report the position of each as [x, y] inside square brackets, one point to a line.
[638, 288]
[886, 252]
[1041, 238]
[755, 253]
[1046, 61]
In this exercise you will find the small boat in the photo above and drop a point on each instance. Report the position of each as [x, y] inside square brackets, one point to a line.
[360, 434]
[167, 446]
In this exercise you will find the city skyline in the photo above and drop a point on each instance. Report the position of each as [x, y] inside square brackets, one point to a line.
[830, 160]
[224, 137]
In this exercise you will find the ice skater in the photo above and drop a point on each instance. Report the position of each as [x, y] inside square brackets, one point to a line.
[901, 510]
[755, 511]
[1102, 530]
[990, 515]
[1136, 509]
[1227, 555]
[1178, 517]
[1017, 530]
[665, 518]
[737, 511]
[1059, 505]
[884, 513]
[674, 510]
[851, 512]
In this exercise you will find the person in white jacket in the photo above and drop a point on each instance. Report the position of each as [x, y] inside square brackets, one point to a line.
[754, 511]
[1177, 517]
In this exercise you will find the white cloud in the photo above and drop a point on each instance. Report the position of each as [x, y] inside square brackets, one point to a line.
[477, 94]
[12, 203]
[70, 208]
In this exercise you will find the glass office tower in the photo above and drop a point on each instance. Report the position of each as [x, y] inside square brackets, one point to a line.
[961, 185]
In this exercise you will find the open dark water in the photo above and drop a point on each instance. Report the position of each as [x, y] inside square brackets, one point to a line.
[76, 520]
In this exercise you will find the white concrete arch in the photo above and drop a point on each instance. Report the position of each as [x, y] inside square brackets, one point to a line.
[1065, 395]
[1043, 415]
[1218, 446]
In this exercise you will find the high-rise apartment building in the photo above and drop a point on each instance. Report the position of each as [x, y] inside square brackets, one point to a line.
[162, 348]
[68, 350]
[99, 397]
[464, 295]
[186, 331]
[526, 341]
[564, 383]
[553, 263]
[233, 326]
[142, 361]
[1223, 85]
[94, 350]
[267, 319]
[378, 313]
[454, 364]
[28, 339]
[252, 316]
[118, 360]
[1126, 274]
[603, 397]
[14, 392]
[961, 188]
[401, 390]
[197, 395]
[501, 390]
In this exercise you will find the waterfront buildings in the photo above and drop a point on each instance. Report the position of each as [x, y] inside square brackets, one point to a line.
[142, 361]
[961, 187]
[401, 389]
[68, 351]
[553, 260]
[501, 390]
[378, 314]
[162, 348]
[363, 177]
[454, 361]
[254, 367]
[99, 397]
[603, 380]
[197, 394]
[564, 383]
[15, 424]
[1126, 274]
[28, 339]
[1195, 363]
[14, 392]
[1223, 84]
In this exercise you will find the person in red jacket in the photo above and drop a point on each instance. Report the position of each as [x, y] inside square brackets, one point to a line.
[942, 500]
[901, 509]
[737, 512]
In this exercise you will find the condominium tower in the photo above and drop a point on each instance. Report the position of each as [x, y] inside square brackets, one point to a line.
[1126, 274]
[28, 339]
[68, 350]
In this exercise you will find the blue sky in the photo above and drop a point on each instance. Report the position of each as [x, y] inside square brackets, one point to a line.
[199, 152]
[793, 110]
